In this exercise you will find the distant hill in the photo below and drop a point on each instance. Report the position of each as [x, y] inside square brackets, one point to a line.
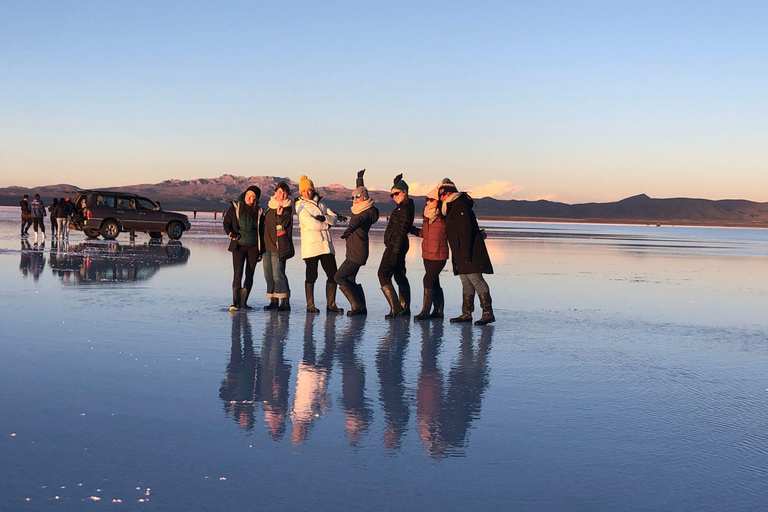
[207, 194]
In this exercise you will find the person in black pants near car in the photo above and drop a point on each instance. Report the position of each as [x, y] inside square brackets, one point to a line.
[26, 216]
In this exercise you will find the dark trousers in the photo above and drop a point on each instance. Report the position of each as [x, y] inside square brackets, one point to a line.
[38, 221]
[25, 224]
[328, 261]
[244, 258]
[347, 274]
[53, 226]
[432, 269]
[392, 264]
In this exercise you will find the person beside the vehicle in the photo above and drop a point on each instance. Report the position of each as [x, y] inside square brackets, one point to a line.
[278, 243]
[70, 207]
[62, 214]
[468, 252]
[395, 248]
[364, 215]
[315, 221]
[53, 209]
[434, 252]
[242, 223]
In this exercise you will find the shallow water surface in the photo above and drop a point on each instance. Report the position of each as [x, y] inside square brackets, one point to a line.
[626, 371]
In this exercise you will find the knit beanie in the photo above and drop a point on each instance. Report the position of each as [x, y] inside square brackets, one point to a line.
[362, 191]
[305, 184]
[400, 184]
[447, 186]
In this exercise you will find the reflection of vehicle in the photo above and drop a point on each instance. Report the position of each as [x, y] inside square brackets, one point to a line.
[108, 213]
[99, 262]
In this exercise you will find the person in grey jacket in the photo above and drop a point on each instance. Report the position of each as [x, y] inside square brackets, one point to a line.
[364, 215]
[37, 208]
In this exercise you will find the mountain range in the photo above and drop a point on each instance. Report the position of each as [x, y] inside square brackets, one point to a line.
[206, 194]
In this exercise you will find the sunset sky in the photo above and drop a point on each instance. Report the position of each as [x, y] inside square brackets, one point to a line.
[564, 100]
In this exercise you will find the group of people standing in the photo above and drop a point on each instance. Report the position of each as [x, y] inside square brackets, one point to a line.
[449, 222]
[33, 214]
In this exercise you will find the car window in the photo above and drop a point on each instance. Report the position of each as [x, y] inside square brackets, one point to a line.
[106, 201]
[146, 204]
[124, 202]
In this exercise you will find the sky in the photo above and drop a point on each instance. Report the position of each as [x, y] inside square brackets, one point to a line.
[573, 101]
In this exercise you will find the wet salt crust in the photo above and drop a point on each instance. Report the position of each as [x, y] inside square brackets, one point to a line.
[626, 371]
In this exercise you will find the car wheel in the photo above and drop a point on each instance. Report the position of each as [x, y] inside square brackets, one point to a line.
[155, 234]
[91, 233]
[110, 230]
[175, 230]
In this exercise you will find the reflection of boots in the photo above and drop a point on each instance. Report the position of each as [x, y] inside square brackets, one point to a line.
[330, 299]
[309, 291]
[395, 308]
[467, 307]
[428, 295]
[273, 304]
[438, 303]
[244, 298]
[355, 306]
[485, 303]
[236, 291]
[405, 298]
[285, 305]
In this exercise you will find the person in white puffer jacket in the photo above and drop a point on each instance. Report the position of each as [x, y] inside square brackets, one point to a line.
[315, 221]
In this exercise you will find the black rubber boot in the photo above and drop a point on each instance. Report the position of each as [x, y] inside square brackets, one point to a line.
[486, 304]
[236, 292]
[467, 307]
[355, 306]
[273, 304]
[438, 303]
[405, 298]
[361, 295]
[395, 308]
[285, 304]
[309, 291]
[330, 299]
[428, 297]
[245, 292]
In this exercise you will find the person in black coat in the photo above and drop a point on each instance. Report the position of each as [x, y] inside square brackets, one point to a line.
[26, 216]
[243, 224]
[278, 242]
[395, 249]
[364, 215]
[468, 252]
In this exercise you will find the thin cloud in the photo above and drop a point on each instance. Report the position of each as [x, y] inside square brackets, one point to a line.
[496, 189]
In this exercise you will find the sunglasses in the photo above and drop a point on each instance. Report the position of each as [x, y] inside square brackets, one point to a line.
[430, 199]
[357, 196]
[393, 194]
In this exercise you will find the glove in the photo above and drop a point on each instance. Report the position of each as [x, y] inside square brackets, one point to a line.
[234, 236]
[342, 218]
[345, 235]
[320, 218]
[360, 173]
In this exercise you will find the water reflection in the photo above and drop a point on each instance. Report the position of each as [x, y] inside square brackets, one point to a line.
[358, 412]
[32, 259]
[447, 403]
[111, 262]
[311, 399]
[392, 393]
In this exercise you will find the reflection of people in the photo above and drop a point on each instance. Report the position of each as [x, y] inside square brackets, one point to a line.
[468, 252]
[315, 221]
[272, 384]
[434, 252]
[357, 408]
[242, 224]
[395, 248]
[32, 259]
[429, 390]
[389, 364]
[238, 389]
[311, 401]
[364, 215]
[278, 245]
[26, 216]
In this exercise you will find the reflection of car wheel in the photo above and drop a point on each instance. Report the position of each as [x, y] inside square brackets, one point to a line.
[110, 230]
[91, 233]
[175, 230]
[155, 234]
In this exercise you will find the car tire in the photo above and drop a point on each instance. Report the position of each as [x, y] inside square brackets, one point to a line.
[91, 233]
[175, 230]
[110, 229]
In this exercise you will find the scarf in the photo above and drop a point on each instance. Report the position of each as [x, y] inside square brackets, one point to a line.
[449, 199]
[362, 206]
[431, 212]
[274, 203]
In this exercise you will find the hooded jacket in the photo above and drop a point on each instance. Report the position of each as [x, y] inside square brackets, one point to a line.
[232, 224]
[468, 252]
[315, 234]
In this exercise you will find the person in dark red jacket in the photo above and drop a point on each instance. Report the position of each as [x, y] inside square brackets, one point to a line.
[468, 252]
[434, 251]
